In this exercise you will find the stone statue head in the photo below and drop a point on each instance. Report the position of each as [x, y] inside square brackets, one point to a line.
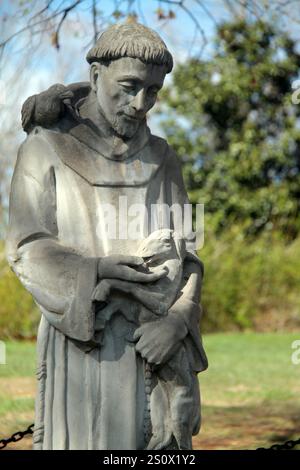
[128, 67]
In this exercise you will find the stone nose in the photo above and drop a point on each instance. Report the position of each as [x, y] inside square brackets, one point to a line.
[139, 102]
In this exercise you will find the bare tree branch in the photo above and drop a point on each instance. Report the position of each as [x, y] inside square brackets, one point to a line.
[250, 7]
[63, 12]
[64, 16]
[197, 24]
[207, 11]
[94, 13]
[141, 13]
[42, 17]
[231, 7]
[43, 10]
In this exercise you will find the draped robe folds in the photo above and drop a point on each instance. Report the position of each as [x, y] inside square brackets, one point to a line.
[91, 392]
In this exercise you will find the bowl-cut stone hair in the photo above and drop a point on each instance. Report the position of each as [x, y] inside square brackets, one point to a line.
[131, 40]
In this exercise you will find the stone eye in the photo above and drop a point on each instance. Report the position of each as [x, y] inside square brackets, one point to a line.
[128, 86]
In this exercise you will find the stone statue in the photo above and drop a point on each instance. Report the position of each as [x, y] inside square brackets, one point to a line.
[118, 344]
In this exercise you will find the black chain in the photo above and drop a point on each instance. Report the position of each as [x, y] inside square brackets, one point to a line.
[17, 436]
[288, 445]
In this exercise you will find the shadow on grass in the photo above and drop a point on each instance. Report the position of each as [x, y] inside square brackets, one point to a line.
[248, 427]
[235, 428]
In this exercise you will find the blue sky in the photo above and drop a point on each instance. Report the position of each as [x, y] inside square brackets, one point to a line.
[45, 65]
[179, 33]
[23, 74]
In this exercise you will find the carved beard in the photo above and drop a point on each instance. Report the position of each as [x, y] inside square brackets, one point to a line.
[124, 127]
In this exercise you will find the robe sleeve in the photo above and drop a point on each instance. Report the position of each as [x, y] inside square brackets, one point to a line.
[187, 306]
[60, 280]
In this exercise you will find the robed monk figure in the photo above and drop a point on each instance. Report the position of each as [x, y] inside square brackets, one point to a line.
[118, 344]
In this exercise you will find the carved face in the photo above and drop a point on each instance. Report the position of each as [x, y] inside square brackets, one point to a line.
[161, 245]
[126, 90]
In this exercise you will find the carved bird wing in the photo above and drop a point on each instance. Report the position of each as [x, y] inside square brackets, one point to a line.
[27, 113]
[46, 108]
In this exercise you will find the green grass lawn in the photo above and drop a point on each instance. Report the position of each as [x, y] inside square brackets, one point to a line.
[250, 393]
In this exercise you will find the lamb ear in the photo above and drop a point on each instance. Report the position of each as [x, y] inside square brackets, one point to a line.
[193, 257]
[179, 245]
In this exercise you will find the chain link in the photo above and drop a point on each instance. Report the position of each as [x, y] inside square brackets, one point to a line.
[17, 436]
[288, 445]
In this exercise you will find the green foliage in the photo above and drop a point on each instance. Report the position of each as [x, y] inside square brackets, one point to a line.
[250, 284]
[233, 123]
[246, 285]
[20, 359]
[19, 316]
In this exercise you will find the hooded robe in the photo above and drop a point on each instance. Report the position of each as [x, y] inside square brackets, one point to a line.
[91, 384]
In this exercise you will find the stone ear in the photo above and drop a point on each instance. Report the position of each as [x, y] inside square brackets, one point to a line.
[94, 74]
[180, 246]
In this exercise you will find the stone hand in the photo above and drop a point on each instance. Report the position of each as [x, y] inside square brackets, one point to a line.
[125, 268]
[154, 301]
[157, 341]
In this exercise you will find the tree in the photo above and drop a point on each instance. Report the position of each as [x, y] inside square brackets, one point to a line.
[31, 20]
[41, 35]
[234, 124]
